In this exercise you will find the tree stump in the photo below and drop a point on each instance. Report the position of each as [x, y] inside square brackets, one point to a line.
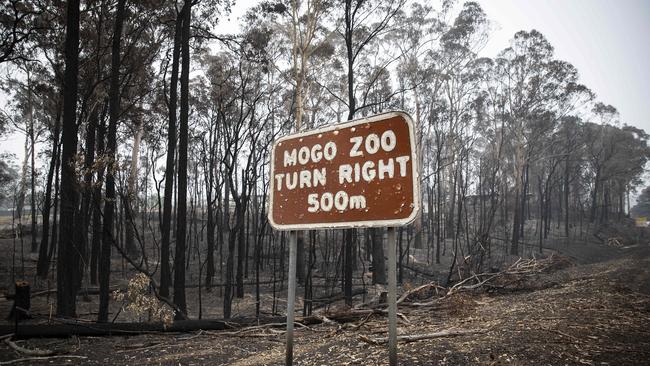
[22, 301]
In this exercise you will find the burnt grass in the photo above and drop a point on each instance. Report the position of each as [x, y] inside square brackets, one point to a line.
[595, 311]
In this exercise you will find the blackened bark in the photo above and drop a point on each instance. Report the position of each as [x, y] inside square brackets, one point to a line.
[516, 217]
[241, 234]
[32, 138]
[165, 270]
[348, 253]
[181, 219]
[566, 197]
[130, 199]
[230, 264]
[349, 266]
[43, 259]
[378, 262]
[209, 275]
[111, 147]
[55, 204]
[83, 216]
[594, 196]
[97, 205]
[68, 258]
[300, 257]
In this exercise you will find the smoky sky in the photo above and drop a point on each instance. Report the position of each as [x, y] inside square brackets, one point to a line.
[607, 41]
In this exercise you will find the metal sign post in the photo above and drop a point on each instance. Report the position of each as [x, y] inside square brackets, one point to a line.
[291, 295]
[392, 298]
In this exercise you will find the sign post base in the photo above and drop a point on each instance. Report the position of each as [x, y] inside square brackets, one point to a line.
[392, 298]
[291, 295]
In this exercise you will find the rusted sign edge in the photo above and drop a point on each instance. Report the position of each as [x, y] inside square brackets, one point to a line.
[354, 224]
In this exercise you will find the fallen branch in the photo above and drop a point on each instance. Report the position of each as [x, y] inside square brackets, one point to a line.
[421, 289]
[460, 286]
[322, 301]
[69, 328]
[29, 359]
[27, 351]
[517, 272]
[81, 292]
[421, 271]
[419, 337]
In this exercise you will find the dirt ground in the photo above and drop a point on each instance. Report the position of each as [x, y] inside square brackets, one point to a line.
[589, 313]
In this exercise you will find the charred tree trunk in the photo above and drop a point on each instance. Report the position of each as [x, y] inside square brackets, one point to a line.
[210, 228]
[594, 197]
[566, 198]
[83, 218]
[348, 257]
[43, 258]
[181, 219]
[378, 262]
[165, 270]
[32, 138]
[241, 237]
[68, 256]
[97, 204]
[131, 206]
[111, 148]
[230, 266]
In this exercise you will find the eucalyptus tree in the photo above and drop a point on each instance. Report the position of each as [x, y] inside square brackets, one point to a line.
[111, 150]
[615, 159]
[642, 206]
[207, 113]
[569, 134]
[181, 210]
[416, 38]
[26, 112]
[19, 22]
[489, 126]
[171, 101]
[537, 88]
[363, 23]
[237, 85]
[69, 254]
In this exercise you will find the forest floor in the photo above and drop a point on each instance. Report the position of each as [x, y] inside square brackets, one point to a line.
[595, 311]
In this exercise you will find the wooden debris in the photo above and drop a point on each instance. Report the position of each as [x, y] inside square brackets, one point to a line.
[419, 337]
[323, 301]
[30, 359]
[27, 351]
[421, 290]
[515, 273]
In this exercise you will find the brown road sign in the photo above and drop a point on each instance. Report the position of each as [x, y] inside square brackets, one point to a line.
[361, 173]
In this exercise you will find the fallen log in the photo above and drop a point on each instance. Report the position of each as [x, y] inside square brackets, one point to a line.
[322, 301]
[66, 327]
[421, 271]
[71, 328]
[81, 292]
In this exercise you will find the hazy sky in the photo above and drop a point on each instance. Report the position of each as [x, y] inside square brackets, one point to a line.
[607, 41]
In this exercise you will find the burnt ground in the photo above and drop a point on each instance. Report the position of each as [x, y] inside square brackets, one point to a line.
[594, 312]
